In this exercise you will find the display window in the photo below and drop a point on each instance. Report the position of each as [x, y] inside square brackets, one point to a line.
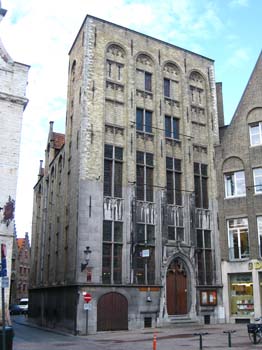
[241, 295]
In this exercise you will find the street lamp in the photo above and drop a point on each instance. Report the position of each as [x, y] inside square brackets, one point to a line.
[87, 253]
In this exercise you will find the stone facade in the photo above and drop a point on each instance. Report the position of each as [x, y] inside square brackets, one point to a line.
[13, 82]
[239, 175]
[135, 184]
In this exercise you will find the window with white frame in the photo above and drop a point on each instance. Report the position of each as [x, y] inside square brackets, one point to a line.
[238, 238]
[255, 131]
[259, 232]
[235, 184]
[257, 174]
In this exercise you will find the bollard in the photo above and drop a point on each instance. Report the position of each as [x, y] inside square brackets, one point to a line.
[200, 339]
[229, 337]
[154, 342]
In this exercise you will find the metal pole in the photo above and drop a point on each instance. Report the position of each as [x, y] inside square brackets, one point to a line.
[86, 322]
[3, 318]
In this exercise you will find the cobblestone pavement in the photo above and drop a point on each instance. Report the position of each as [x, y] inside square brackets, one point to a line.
[175, 338]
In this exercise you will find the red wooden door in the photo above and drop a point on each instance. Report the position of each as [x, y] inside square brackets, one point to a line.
[112, 312]
[176, 289]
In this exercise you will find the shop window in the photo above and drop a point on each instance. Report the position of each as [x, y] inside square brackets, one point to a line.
[238, 238]
[255, 131]
[235, 185]
[241, 295]
[257, 173]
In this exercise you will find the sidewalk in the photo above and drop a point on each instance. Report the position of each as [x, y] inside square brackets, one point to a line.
[178, 337]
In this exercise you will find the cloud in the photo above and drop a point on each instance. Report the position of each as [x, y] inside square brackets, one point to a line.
[41, 36]
[239, 3]
[239, 57]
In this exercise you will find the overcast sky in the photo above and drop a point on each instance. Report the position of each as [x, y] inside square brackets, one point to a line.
[40, 34]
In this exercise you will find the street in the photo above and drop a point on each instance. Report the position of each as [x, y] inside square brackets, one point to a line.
[179, 337]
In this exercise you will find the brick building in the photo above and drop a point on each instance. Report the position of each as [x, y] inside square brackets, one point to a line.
[239, 175]
[20, 269]
[13, 82]
[126, 208]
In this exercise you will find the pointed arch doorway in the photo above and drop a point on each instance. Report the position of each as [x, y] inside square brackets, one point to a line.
[176, 288]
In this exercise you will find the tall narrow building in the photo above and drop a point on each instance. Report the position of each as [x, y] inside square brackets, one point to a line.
[13, 83]
[239, 176]
[125, 209]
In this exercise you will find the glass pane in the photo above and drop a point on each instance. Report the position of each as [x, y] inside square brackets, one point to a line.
[139, 119]
[118, 180]
[244, 243]
[117, 263]
[240, 183]
[150, 234]
[207, 237]
[169, 163]
[180, 234]
[258, 180]
[118, 234]
[148, 81]
[167, 126]
[178, 189]
[235, 245]
[107, 177]
[196, 168]
[140, 182]
[170, 187]
[175, 128]
[229, 185]
[204, 169]
[149, 159]
[119, 153]
[209, 266]
[107, 231]
[177, 164]
[148, 126]
[199, 239]
[140, 233]
[205, 192]
[149, 184]
[108, 151]
[140, 157]
[171, 233]
[197, 192]
[167, 87]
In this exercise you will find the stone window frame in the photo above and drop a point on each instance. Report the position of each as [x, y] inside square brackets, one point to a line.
[257, 180]
[234, 184]
[258, 134]
[237, 250]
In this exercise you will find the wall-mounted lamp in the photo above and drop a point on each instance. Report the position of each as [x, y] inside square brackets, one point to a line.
[87, 253]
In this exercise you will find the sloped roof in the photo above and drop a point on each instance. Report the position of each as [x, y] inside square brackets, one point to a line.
[59, 140]
[20, 242]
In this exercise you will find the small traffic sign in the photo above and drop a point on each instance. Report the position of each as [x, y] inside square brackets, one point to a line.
[87, 297]
[5, 282]
[87, 306]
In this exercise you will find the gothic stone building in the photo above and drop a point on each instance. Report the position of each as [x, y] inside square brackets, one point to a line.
[126, 209]
[239, 167]
[13, 82]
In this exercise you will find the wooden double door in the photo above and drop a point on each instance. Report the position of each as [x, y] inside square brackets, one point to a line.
[112, 312]
[176, 288]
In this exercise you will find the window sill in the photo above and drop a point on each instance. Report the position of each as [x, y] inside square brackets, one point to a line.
[234, 197]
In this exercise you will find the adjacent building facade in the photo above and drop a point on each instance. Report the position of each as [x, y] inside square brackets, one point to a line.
[13, 82]
[21, 263]
[125, 207]
[239, 175]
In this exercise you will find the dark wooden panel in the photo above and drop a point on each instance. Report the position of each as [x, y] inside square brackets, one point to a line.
[112, 312]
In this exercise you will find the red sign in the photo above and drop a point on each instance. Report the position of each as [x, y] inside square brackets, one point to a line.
[87, 297]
